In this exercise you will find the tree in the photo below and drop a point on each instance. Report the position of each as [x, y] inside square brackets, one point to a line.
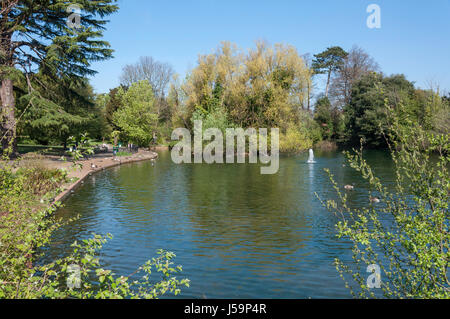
[309, 84]
[366, 112]
[114, 103]
[177, 103]
[35, 36]
[328, 62]
[137, 118]
[56, 108]
[354, 66]
[104, 129]
[266, 86]
[324, 117]
[158, 74]
[366, 115]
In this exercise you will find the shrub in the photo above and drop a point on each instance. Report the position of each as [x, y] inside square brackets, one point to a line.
[41, 181]
[294, 140]
[25, 227]
[137, 118]
[407, 235]
[326, 146]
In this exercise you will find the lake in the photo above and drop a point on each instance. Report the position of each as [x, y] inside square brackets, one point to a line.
[237, 233]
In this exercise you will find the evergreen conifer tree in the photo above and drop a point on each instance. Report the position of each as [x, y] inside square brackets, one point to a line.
[57, 38]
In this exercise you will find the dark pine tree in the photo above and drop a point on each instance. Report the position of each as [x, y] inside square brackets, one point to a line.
[35, 36]
[327, 62]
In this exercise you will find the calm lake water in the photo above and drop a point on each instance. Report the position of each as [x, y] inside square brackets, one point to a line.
[237, 233]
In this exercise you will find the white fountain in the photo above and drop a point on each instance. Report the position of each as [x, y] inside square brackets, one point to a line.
[311, 157]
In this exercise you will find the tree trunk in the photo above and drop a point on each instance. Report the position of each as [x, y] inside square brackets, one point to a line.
[328, 83]
[8, 119]
[309, 96]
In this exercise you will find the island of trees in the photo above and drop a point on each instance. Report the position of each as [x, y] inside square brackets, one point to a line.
[263, 87]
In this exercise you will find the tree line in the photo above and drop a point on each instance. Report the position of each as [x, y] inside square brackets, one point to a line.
[273, 86]
[46, 97]
[358, 95]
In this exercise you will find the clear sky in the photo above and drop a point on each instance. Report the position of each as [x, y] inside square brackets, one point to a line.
[414, 38]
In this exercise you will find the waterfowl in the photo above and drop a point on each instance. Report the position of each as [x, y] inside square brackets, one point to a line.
[375, 200]
[349, 187]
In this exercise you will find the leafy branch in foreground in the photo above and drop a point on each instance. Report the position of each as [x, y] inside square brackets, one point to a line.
[407, 234]
[80, 276]
[78, 153]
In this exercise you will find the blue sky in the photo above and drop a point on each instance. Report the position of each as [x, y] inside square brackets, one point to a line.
[413, 39]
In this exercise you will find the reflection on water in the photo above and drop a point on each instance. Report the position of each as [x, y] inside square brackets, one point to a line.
[237, 233]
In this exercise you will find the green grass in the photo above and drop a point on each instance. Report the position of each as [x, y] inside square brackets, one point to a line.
[48, 149]
[45, 149]
[123, 154]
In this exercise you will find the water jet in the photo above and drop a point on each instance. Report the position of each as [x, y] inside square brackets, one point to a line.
[311, 157]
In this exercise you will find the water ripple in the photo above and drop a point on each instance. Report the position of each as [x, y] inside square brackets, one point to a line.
[238, 234]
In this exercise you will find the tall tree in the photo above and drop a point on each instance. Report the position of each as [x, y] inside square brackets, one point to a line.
[366, 113]
[356, 64]
[323, 115]
[328, 62]
[309, 84]
[137, 117]
[38, 35]
[113, 104]
[262, 87]
[158, 74]
[55, 109]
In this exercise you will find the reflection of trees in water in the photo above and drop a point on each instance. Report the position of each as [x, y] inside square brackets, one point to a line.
[153, 196]
[235, 209]
[221, 220]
